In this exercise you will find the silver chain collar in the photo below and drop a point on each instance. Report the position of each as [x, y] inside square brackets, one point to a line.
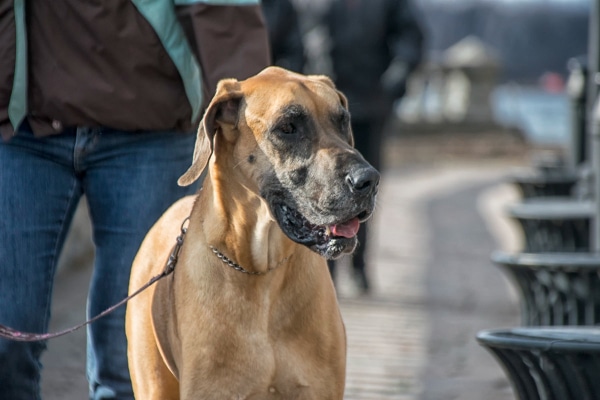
[238, 267]
[233, 264]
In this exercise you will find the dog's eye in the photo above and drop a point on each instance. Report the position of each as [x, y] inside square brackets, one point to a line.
[287, 128]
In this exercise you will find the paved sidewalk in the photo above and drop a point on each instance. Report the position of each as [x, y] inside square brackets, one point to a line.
[434, 289]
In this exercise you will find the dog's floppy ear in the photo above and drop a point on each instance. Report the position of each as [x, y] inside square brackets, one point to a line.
[223, 108]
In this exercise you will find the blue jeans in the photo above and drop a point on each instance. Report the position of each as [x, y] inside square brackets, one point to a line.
[129, 180]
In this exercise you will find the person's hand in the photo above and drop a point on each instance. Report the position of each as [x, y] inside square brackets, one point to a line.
[393, 80]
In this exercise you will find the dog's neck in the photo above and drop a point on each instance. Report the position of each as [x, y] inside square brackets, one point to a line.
[238, 223]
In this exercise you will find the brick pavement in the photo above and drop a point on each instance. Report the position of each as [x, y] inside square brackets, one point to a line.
[391, 346]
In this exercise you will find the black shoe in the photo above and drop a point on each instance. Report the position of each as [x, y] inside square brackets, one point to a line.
[331, 266]
[360, 278]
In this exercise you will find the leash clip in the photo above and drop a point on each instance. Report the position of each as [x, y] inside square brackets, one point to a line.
[174, 256]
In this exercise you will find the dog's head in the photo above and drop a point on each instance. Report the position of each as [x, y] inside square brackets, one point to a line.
[290, 142]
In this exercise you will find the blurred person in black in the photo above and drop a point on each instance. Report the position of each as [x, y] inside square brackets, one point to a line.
[285, 37]
[374, 46]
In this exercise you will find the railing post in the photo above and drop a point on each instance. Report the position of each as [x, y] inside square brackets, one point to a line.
[595, 153]
[594, 116]
[593, 54]
[576, 87]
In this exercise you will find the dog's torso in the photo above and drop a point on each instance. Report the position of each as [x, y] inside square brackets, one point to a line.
[240, 336]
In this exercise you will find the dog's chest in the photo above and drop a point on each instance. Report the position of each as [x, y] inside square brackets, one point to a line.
[283, 390]
[250, 347]
[261, 372]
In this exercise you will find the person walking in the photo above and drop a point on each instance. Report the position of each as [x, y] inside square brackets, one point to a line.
[102, 99]
[375, 45]
[285, 36]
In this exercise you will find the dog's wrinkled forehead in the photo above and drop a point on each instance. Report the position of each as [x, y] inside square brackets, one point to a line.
[310, 95]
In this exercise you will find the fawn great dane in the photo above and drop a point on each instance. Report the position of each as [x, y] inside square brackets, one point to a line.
[250, 311]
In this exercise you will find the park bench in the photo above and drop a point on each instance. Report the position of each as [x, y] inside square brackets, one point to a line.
[545, 182]
[554, 288]
[555, 355]
[551, 224]
[548, 363]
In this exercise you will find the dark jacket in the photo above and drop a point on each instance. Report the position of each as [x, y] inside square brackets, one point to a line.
[287, 48]
[367, 37]
[122, 64]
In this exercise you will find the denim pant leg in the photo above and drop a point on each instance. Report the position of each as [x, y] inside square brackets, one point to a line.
[130, 180]
[38, 195]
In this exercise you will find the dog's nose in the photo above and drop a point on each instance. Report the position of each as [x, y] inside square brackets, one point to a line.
[362, 179]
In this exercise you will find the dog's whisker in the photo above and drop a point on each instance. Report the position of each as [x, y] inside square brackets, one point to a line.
[242, 161]
[238, 164]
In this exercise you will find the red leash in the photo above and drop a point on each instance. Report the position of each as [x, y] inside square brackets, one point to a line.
[13, 334]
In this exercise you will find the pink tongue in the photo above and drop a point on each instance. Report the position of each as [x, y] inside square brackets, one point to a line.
[347, 229]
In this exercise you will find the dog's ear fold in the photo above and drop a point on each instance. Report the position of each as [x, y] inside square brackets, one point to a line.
[222, 109]
[343, 99]
[326, 80]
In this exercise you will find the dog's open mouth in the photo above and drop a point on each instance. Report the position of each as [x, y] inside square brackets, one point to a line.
[330, 241]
